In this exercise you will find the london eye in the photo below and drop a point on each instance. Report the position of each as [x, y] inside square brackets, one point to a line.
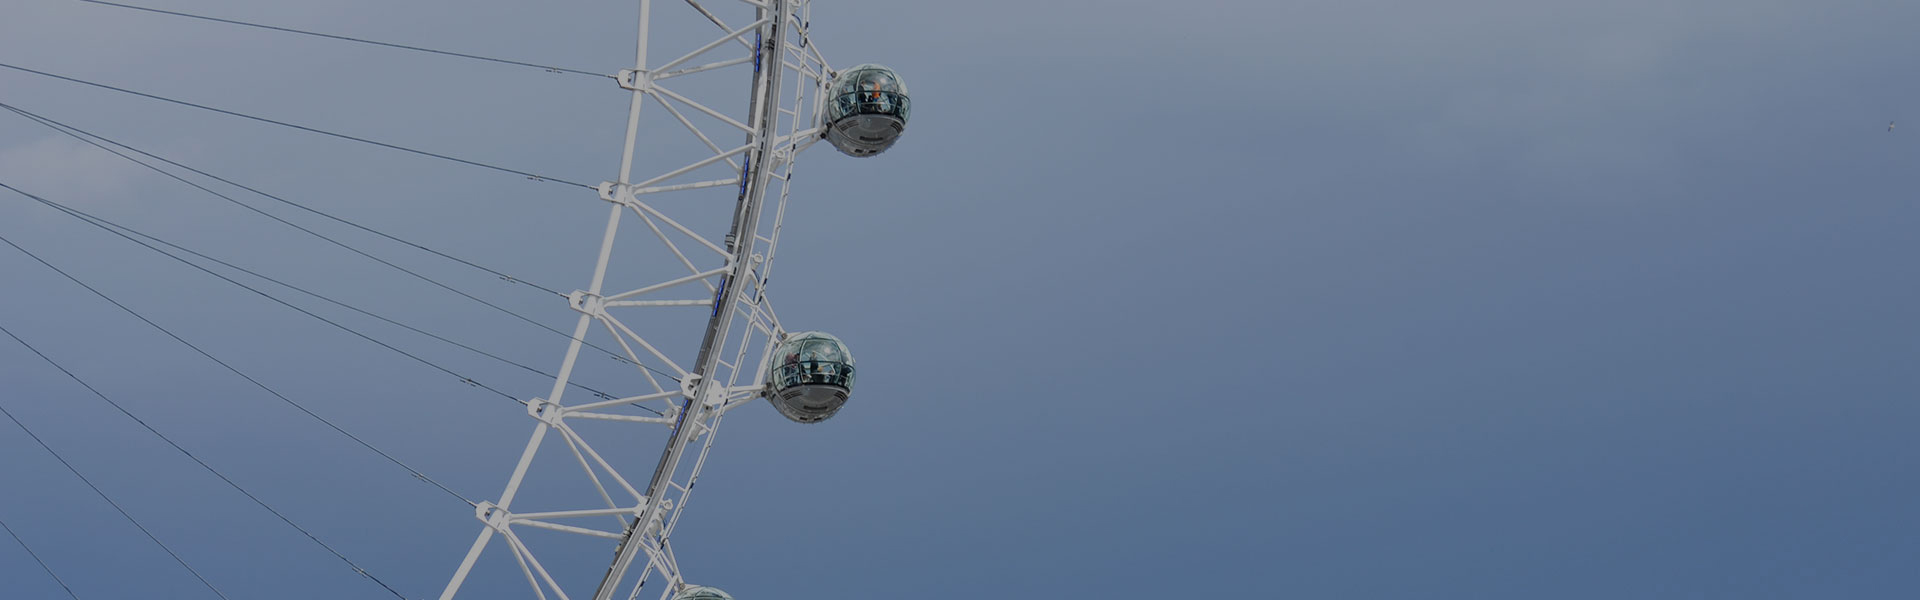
[688, 317]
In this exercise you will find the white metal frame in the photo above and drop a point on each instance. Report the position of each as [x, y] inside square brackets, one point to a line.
[785, 102]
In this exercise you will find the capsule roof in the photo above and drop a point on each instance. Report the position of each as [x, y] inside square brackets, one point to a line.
[813, 345]
[868, 77]
[701, 592]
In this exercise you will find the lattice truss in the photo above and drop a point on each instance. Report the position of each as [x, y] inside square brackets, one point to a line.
[702, 272]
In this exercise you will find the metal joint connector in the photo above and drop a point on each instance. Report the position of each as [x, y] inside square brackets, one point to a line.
[546, 411]
[688, 385]
[586, 302]
[491, 514]
[609, 191]
[638, 81]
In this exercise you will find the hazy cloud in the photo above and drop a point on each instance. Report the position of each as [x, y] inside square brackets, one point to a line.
[60, 165]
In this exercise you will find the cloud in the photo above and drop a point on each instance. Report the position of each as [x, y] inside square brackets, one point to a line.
[66, 170]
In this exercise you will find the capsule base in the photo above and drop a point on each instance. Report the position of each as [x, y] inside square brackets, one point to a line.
[809, 403]
[865, 135]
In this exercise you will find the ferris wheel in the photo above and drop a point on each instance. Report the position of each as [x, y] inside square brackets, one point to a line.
[744, 353]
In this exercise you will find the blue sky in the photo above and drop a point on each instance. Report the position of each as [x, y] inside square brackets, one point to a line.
[1317, 299]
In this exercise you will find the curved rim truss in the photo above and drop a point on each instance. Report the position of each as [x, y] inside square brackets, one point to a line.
[726, 274]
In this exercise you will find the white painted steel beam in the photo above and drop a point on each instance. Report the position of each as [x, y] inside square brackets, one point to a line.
[781, 120]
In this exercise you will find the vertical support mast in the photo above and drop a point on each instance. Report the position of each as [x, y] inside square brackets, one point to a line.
[707, 390]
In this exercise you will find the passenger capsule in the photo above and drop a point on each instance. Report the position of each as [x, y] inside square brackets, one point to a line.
[810, 376]
[700, 592]
[866, 110]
